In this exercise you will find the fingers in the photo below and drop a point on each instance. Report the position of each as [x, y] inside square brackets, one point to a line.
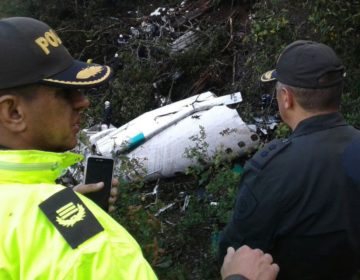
[268, 258]
[112, 199]
[88, 188]
[247, 250]
[114, 193]
[227, 260]
[275, 267]
[115, 182]
[258, 252]
[229, 255]
[269, 273]
[244, 248]
[111, 208]
[268, 270]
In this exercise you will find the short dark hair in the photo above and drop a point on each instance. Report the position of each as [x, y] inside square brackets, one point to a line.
[320, 99]
[28, 92]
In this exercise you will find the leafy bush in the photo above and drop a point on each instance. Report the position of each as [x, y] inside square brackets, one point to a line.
[274, 24]
[178, 224]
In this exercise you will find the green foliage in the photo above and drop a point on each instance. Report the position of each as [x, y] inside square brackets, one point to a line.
[15, 7]
[282, 131]
[140, 222]
[50, 11]
[215, 174]
[217, 3]
[337, 23]
[198, 152]
[201, 63]
[275, 24]
[132, 92]
[351, 101]
[181, 241]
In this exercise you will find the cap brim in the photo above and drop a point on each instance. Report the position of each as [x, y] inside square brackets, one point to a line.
[268, 76]
[80, 75]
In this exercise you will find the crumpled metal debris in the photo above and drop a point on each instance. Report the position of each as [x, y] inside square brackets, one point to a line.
[154, 193]
[186, 203]
[167, 207]
[167, 21]
[184, 42]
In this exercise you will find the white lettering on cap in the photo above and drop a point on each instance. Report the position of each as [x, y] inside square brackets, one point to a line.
[50, 38]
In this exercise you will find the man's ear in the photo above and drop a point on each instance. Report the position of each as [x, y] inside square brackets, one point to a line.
[12, 113]
[288, 98]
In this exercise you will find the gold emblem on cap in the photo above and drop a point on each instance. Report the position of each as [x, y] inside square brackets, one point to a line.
[70, 214]
[266, 77]
[88, 72]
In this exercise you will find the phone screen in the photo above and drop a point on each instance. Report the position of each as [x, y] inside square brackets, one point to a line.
[99, 169]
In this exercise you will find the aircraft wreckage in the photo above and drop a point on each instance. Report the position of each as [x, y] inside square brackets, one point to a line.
[158, 139]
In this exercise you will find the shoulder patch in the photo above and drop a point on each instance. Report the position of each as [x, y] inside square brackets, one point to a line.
[245, 205]
[71, 217]
[262, 157]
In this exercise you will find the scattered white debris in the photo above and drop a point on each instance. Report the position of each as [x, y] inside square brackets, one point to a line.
[184, 42]
[186, 203]
[158, 11]
[135, 32]
[167, 207]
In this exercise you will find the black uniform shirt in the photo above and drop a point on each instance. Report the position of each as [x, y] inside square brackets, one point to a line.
[299, 199]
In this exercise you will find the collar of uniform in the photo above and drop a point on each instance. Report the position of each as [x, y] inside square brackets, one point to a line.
[34, 167]
[317, 123]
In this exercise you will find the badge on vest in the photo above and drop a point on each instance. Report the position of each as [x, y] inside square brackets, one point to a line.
[71, 217]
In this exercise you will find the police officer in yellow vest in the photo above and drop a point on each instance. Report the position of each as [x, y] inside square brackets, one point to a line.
[48, 231]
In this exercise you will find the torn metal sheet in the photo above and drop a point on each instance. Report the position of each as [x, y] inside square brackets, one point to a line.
[142, 128]
[158, 139]
[184, 42]
[94, 137]
[186, 203]
[154, 193]
[167, 207]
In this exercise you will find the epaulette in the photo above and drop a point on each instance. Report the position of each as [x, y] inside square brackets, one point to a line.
[262, 157]
[71, 217]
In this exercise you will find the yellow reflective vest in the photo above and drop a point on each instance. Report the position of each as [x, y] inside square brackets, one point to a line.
[31, 247]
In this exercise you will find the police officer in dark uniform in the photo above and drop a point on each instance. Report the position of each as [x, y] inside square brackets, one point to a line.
[299, 198]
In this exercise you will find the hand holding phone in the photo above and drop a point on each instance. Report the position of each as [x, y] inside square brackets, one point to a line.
[99, 169]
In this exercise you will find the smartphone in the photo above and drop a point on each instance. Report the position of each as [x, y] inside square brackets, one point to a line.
[99, 169]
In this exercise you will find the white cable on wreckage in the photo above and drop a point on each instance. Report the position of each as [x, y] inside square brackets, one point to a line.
[190, 109]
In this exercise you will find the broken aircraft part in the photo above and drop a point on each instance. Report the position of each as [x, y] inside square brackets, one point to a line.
[158, 139]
